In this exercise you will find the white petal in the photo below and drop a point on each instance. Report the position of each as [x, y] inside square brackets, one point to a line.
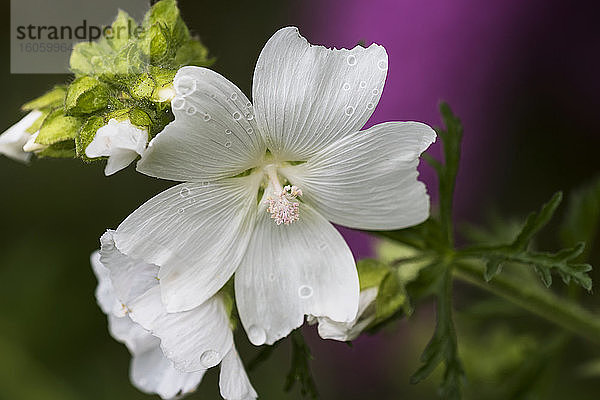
[130, 277]
[105, 292]
[31, 146]
[197, 233]
[214, 134]
[307, 97]
[289, 271]
[15, 137]
[348, 331]
[233, 380]
[152, 373]
[118, 160]
[368, 180]
[134, 336]
[194, 340]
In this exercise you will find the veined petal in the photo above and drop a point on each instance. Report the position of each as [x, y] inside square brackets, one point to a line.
[368, 180]
[15, 137]
[152, 373]
[304, 268]
[134, 336]
[194, 340]
[307, 97]
[130, 278]
[105, 292]
[214, 134]
[233, 380]
[196, 232]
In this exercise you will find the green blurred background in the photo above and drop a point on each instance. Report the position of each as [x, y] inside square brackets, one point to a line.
[534, 130]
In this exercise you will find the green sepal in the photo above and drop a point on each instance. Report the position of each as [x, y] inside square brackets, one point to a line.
[58, 127]
[371, 272]
[64, 149]
[123, 29]
[166, 13]
[193, 53]
[391, 297]
[87, 134]
[140, 118]
[51, 99]
[86, 95]
[38, 122]
[143, 87]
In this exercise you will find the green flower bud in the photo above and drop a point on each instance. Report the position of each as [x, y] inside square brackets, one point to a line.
[86, 95]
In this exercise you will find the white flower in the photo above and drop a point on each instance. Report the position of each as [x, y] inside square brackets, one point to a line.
[15, 137]
[348, 331]
[301, 146]
[31, 146]
[120, 141]
[170, 352]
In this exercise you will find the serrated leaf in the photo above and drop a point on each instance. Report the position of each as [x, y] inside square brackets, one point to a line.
[52, 99]
[492, 268]
[58, 127]
[582, 218]
[86, 95]
[536, 221]
[64, 149]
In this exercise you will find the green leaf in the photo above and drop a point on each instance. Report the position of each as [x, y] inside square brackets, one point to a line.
[536, 221]
[38, 122]
[391, 297]
[123, 29]
[143, 87]
[86, 95]
[52, 99]
[58, 127]
[582, 218]
[443, 346]
[193, 53]
[371, 272]
[300, 369]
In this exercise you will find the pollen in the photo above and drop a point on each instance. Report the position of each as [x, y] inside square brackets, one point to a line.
[282, 205]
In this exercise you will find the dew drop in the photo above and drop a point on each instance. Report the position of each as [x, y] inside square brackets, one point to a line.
[250, 131]
[236, 115]
[228, 144]
[191, 110]
[248, 105]
[205, 184]
[185, 86]
[228, 131]
[249, 117]
[213, 96]
[346, 86]
[233, 96]
[362, 84]
[178, 103]
[375, 92]
[210, 358]
[351, 60]
[382, 65]
[271, 277]
[184, 192]
[349, 110]
[257, 335]
[305, 292]
[206, 117]
[180, 211]
[370, 106]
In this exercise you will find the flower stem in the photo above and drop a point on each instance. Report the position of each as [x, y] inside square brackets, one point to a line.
[561, 312]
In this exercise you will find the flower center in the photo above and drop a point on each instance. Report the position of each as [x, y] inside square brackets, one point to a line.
[281, 202]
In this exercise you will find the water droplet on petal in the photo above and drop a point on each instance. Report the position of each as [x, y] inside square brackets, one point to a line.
[375, 92]
[249, 117]
[228, 131]
[206, 117]
[185, 86]
[210, 358]
[236, 115]
[362, 84]
[178, 103]
[351, 60]
[228, 144]
[184, 192]
[271, 277]
[305, 292]
[180, 211]
[191, 110]
[257, 335]
[370, 106]
[205, 183]
[346, 86]
[382, 65]
[233, 96]
[349, 110]
[248, 105]
[250, 131]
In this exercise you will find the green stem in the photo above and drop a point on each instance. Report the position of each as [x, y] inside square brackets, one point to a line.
[562, 312]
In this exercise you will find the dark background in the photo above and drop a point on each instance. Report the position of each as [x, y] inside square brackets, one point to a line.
[522, 75]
